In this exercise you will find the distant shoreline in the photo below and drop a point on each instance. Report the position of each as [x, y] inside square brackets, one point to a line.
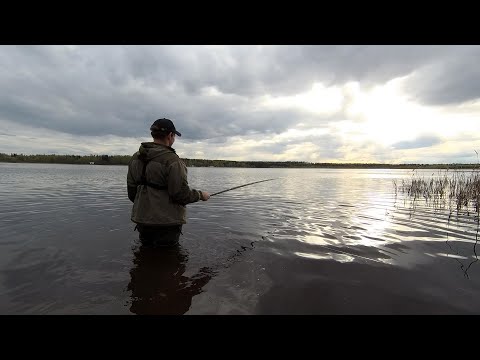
[124, 159]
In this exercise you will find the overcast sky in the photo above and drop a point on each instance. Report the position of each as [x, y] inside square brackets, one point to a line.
[387, 104]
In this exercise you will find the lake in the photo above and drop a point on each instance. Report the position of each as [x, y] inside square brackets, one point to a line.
[312, 241]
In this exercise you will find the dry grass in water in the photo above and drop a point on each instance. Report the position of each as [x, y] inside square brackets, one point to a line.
[452, 190]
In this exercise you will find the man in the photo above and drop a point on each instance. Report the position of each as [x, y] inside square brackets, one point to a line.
[158, 187]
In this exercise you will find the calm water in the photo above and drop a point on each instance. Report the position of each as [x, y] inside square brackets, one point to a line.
[314, 241]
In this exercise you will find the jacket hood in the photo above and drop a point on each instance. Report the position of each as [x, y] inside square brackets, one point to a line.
[150, 150]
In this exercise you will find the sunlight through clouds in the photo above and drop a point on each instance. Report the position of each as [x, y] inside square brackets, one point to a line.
[319, 99]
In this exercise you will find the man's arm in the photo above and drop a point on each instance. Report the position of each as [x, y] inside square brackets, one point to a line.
[132, 192]
[131, 183]
[178, 188]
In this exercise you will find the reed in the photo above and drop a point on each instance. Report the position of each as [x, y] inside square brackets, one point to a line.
[453, 190]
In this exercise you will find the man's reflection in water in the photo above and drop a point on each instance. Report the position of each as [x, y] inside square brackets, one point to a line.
[157, 283]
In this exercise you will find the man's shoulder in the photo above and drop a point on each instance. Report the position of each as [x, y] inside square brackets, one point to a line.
[134, 157]
[169, 156]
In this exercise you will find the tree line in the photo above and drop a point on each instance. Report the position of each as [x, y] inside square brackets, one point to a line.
[124, 159]
[66, 159]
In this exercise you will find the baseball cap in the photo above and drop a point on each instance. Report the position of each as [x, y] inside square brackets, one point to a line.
[164, 125]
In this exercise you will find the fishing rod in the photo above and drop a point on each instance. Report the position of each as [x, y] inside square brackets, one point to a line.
[236, 187]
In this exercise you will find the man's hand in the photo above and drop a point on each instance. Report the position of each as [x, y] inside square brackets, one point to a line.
[204, 195]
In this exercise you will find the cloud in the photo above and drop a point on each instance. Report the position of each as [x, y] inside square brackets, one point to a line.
[453, 78]
[120, 90]
[223, 95]
[421, 142]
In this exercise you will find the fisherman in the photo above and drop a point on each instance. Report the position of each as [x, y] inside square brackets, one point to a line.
[158, 187]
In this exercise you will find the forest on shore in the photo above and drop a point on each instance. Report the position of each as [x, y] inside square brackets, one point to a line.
[124, 159]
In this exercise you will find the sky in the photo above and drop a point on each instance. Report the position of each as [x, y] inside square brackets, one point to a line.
[343, 104]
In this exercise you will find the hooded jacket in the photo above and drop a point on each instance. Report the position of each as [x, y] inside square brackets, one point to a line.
[159, 197]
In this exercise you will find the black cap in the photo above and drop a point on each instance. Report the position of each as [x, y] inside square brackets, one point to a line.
[164, 125]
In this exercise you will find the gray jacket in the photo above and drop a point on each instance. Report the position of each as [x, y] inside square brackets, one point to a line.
[159, 198]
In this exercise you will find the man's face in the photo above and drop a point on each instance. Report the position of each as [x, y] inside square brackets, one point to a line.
[172, 138]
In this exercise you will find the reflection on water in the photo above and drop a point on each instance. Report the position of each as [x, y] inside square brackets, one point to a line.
[157, 282]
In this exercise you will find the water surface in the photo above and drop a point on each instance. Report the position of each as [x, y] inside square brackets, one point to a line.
[314, 241]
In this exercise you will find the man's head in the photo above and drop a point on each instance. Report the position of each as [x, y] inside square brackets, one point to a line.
[164, 131]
